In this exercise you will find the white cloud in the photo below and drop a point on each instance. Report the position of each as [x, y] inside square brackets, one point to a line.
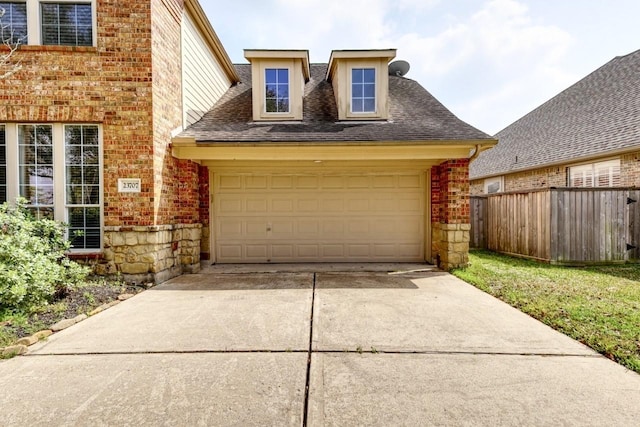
[483, 65]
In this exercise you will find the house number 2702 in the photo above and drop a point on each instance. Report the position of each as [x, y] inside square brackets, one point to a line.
[129, 185]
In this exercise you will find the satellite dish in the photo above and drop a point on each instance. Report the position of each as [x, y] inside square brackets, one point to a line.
[399, 68]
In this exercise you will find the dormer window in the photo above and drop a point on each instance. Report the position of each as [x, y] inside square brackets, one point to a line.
[276, 90]
[277, 83]
[360, 80]
[363, 90]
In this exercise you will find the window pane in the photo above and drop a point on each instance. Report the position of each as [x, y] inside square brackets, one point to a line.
[277, 90]
[14, 23]
[84, 228]
[357, 91]
[363, 90]
[82, 171]
[369, 90]
[369, 105]
[356, 75]
[369, 75]
[270, 75]
[35, 167]
[66, 24]
[283, 75]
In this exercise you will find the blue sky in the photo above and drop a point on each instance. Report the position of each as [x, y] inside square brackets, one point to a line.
[488, 61]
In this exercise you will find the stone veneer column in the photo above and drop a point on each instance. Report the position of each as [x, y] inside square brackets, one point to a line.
[151, 253]
[450, 213]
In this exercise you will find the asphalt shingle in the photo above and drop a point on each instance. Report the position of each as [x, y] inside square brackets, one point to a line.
[415, 115]
[597, 115]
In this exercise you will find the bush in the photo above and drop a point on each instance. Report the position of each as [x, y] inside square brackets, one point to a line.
[33, 265]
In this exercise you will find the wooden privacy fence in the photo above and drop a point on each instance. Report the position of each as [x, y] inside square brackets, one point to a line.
[560, 225]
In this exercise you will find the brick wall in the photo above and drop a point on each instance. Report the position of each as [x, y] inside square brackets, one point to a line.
[176, 197]
[110, 85]
[450, 222]
[131, 85]
[630, 170]
[557, 176]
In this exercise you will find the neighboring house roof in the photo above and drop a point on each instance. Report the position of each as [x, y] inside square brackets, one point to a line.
[599, 115]
[415, 115]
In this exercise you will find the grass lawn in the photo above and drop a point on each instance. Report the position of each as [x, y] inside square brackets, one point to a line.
[598, 306]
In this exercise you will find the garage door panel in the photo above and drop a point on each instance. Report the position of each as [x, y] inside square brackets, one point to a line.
[384, 181]
[307, 182]
[282, 182]
[231, 228]
[357, 250]
[260, 206]
[410, 181]
[282, 205]
[308, 228]
[230, 252]
[358, 181]
[282, 229]
[332, 251]
[314, 218]
[331, 204]
[257, 251]
[282, 251]
[413, 205]
[333, 228]
[229, 205]
[307, 205]
[359, 204]
[308, 251]
[331, 182]
[256, 182]
[385, 250]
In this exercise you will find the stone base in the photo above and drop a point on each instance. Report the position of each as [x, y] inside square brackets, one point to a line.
[151, 253]
[450, 245]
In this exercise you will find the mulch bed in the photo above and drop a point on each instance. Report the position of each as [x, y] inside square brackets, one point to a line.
[71, 302]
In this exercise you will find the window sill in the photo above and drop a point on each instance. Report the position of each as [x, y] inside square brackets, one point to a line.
[54, 48]
[85, 255]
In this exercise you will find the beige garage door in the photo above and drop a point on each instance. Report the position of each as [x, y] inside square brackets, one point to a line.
[339, 217]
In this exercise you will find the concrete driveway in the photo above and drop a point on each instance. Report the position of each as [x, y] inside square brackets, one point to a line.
[314, 345]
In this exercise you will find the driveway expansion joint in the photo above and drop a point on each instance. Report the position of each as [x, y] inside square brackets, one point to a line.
[309, 353]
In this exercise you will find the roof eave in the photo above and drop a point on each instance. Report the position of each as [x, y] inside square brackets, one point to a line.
[567, 162]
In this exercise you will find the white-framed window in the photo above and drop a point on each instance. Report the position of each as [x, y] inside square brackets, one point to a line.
[363, 90]
[598, 174]
[66, 24]
[57, 22]
[58, 169]
[13, 22]
[494, 185]
[276, 91]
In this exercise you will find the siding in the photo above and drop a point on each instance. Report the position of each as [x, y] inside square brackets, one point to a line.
[204, 80]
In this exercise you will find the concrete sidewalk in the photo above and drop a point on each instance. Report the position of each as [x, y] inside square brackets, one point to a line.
[241, 345]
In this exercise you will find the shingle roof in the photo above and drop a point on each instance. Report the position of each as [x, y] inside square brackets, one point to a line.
[415, 115]
[597, 115]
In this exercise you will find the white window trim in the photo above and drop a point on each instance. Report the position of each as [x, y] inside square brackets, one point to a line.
[375, 93]
[34, 36]
[59, 167]
[490, 181]
[283, 65]
[593, 167]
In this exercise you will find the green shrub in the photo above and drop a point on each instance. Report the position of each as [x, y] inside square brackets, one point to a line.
[33, 265]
